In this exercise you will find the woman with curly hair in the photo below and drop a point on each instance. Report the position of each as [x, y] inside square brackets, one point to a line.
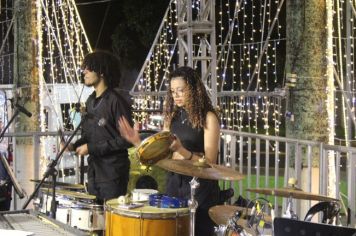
[190, 116]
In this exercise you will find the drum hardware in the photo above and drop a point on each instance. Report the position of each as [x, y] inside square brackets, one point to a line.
[52, 171]
[235, 218]
[200, 169]
[61, 185]
[291, 192]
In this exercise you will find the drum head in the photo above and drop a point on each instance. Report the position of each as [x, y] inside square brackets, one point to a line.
[155, 148]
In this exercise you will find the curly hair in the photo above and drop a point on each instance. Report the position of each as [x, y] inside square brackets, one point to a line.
[103, 63]
[198, 103]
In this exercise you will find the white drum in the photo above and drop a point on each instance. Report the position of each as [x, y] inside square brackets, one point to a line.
[139, 195]
[88, 217]
[63, 214]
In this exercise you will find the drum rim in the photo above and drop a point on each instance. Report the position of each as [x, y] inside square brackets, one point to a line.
[148, 215]
[147, 141]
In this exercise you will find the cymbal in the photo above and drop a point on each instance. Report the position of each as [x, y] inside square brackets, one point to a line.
[60, 184]
[206, 171]
[292, 192]
[220, 214]
[71, 194]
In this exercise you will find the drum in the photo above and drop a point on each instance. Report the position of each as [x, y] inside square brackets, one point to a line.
[88, 217]
[146, 221]
[155, 148]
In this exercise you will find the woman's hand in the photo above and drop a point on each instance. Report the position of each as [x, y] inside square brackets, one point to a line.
[128, 132]
[176, 145]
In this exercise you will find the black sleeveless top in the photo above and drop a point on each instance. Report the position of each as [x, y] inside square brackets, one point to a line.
[193, 140]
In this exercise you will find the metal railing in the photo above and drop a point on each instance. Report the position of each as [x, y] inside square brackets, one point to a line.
[269, 161]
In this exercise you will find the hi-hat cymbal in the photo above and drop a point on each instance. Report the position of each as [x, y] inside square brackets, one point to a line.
[292, 192]
[60, 184]
[206, 171]
[222, 213]
[70, 194]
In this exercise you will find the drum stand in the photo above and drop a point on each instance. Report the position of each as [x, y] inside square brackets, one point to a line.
[289, 213]
[193, 204]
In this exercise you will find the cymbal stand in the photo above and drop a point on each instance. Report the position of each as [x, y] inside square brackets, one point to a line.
[289, 213]
[232, 224]
[193, 204]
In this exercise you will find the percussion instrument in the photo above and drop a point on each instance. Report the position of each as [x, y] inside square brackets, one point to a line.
[70, 194]
[155, 148]
[291, 192]
[226, 215]
[39, 225]
[48, 184]
[145, 221]
[204, 171]
[222, 213]
[88, 217]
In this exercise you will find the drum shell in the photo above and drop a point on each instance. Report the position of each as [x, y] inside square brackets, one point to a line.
[87, 217]
[146, 221]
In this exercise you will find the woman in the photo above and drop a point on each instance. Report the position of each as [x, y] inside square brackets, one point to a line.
[190, 116]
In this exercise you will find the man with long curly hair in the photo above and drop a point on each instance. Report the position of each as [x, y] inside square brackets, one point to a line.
[108, 162]
[190, 116]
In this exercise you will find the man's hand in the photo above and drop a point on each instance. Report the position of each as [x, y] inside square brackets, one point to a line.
[82, 150]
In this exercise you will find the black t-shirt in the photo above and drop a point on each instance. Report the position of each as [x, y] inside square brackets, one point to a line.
[108, 156]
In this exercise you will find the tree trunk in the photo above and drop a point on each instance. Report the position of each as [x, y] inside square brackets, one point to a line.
[309, 101]
[26, 79]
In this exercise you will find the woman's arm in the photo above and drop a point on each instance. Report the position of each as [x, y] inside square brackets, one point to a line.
[211, 138]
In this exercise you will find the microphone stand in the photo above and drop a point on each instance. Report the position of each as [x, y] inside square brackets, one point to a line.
[52, 171]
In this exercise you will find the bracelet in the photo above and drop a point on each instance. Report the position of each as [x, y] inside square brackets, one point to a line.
[191, 156]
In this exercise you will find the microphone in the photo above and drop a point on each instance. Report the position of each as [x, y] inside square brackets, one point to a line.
[23, 110]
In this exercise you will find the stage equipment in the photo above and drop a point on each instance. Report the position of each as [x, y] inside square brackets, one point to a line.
[222, 213]
[146, 220]
[290, 193]
[235, 218]
[155, 148]
[40, 225]
[52, 171]
[292, 227]
[62, 185]
[198, 169]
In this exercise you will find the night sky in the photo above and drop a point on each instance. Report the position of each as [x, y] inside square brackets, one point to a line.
[93, 15]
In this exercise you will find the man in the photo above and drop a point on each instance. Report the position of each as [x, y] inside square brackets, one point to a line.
[108, 162]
